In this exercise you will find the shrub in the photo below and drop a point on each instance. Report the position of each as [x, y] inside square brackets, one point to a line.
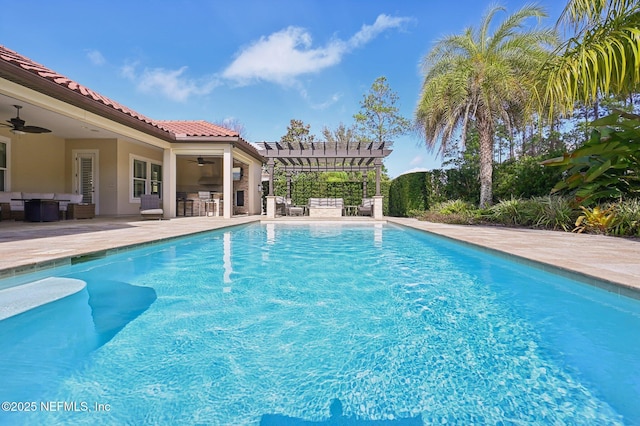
[514, 211]
[555, 213]
[524, 177]
[596, 220]
[453, 206]
[628, 218]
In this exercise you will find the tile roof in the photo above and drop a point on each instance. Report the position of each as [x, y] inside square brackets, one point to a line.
[199, 128]
[172, 129]
[27, 64]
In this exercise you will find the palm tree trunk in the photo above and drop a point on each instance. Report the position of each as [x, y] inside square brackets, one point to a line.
[485, 130]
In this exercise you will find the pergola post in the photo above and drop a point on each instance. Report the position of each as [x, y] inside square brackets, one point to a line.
[364, 184]
[376, 212]
[270, 168]
[271, 199]
[378, 169]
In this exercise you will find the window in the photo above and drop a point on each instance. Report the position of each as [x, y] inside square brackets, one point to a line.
[156, 179]
[146, 177]
[4, 165]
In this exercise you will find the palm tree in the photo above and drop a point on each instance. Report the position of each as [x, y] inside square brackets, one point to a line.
[601, 58]
[484, 77]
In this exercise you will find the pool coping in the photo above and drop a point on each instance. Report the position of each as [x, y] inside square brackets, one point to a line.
[456, 233]
[584, 251]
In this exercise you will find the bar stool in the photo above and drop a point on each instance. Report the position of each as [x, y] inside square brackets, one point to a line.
[205, 201]
[181, 197]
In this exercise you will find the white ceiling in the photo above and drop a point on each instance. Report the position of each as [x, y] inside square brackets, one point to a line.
[60, 125]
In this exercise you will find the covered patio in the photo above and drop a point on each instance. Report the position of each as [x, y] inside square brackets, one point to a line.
[60, 138]
[325, 157]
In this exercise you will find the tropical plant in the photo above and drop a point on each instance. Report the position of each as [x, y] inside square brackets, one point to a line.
[485, 77]
[607, 166]
[513, 212]
[453, 206]
[555, 213]
[628, 218]
[596, 220]
[457, 212]
[379, 119]
[601, 58]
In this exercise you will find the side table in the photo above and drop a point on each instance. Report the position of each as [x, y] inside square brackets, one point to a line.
[81, 211]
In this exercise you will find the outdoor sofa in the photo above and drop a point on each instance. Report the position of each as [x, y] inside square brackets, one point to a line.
[325, 207]
[12, 204]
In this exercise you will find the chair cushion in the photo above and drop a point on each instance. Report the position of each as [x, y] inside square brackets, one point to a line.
[37, 195]
[152, 211]
[68, 197]
[5, 197]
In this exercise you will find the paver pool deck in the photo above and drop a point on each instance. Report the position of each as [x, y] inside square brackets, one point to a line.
[610, 262]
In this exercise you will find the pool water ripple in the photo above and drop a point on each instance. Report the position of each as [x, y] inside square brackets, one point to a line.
[395, 324]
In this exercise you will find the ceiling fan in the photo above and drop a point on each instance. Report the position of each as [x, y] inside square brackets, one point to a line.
[19, 127]
[201, 161]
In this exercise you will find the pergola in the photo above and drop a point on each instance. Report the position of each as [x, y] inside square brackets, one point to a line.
[325, 157]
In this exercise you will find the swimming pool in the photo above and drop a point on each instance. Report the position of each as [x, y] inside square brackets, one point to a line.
[306, 322]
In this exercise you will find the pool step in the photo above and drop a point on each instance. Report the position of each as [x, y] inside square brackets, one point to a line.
[19, 299]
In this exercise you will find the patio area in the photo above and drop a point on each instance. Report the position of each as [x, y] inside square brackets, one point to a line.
[608, 262]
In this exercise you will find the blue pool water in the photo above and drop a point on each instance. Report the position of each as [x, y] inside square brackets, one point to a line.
[298, 324]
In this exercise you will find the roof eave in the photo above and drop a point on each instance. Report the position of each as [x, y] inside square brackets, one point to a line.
[50, 88]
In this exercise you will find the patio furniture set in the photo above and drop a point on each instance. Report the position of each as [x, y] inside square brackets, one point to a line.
[323, 208]
[205, 203]
[44, 206]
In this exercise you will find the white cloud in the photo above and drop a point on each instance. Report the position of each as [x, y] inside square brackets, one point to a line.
[369, 32]
[283, 56]
[96, 57]
[172, 84]
[128, 70]
[326, 104]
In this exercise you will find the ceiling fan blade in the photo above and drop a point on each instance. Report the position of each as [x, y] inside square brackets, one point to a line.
[18, 124]
[34, 129]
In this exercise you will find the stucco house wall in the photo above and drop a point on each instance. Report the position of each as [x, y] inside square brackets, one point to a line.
[37, 163]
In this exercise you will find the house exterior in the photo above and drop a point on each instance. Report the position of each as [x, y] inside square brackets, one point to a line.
[111, 154]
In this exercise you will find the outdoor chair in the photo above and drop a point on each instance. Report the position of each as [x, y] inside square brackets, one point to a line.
[281, 205]
[150, 207]
[366, 208]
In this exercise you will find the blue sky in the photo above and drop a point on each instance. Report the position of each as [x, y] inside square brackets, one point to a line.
[260, 63]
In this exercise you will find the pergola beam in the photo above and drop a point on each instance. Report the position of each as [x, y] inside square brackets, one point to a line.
[327, 168]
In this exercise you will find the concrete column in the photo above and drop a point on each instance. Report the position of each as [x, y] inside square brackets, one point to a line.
[227, 182]
[271, 206]
[376, 213]
[169, 173]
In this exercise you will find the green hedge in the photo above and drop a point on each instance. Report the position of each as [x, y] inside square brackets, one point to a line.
[409, 192]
